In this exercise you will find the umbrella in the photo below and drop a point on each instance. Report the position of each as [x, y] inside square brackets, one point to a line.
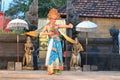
[86, 26]
[17, 24]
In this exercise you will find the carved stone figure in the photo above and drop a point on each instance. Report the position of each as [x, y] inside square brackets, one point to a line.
[32, 14]
[28, 58]
[32, 18]
[114, 32]
[72, 17]
[76, 58]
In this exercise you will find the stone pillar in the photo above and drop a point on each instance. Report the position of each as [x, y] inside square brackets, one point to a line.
[72, 17]
[18, 66]
[32, 18]
[35, 53]
[69, 33]
[11, 66]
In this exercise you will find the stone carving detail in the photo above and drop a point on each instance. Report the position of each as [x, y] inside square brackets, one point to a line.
[73, 16]
[114, 32]
[32, 14]
[32, 18]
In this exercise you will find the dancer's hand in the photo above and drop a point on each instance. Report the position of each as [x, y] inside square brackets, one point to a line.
[70, 25]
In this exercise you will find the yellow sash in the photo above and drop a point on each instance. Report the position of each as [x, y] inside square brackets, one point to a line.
[35, 34]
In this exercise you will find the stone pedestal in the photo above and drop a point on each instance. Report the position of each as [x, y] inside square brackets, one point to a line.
[18, 65]
[77, 68]
[72, 68]
[86, 67]
[11, 66]
[93, 68]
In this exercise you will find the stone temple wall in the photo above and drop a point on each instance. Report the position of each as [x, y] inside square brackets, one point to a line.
[8, 49]
[99, 52]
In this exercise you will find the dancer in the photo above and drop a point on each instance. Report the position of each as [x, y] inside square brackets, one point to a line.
[54, 61]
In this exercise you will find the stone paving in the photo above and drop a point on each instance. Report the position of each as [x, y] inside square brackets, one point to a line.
[66, 75]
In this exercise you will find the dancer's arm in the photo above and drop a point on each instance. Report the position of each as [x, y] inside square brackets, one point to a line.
[66, 26]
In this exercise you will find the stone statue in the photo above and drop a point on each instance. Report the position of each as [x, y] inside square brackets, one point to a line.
[32, 18]
[73, 16]
[28, 58]
[114, 32]
[76, 58]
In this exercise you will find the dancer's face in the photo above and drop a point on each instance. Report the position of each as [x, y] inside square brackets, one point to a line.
[53, 19]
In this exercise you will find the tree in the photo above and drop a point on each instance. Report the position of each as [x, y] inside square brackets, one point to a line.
[46, 5]
[18, 8]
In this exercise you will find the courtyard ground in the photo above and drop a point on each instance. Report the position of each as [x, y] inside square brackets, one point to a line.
[66, 75]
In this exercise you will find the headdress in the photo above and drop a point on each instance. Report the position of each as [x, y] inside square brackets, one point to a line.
[53, 13]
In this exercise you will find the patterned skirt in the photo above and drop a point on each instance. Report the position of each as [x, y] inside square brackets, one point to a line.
[54, 59]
